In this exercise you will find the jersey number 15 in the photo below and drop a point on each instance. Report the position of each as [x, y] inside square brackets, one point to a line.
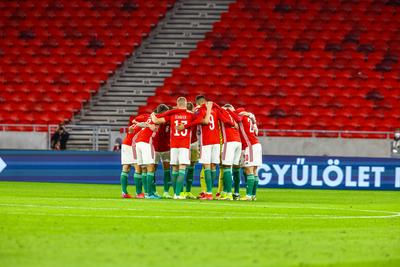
[180, 133]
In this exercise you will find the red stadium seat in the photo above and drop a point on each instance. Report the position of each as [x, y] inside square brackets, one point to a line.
[324, 85]
[54, 57]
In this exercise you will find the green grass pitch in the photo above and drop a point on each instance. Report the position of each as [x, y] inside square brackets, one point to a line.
[44, 224]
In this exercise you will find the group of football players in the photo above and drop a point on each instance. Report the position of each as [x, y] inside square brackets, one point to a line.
[180, 136]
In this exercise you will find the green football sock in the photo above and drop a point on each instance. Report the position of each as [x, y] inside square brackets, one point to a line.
[137, 177]
[124, 182]
[144, 180]
[213, 176]
[174, 179]
[249, 184]
[189, 178]
[255, 185]
[228, 180]
[179, 182]
[150, 183]
[167, 180]
[208, 178]
[236, 179]
[154, 185]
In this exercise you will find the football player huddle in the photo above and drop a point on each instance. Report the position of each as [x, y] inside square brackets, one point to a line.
[181, 136]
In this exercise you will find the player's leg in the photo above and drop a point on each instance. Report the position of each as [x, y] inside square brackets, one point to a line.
[237, 158]
[150, 182]
[236, 181]
[221, 185]
[197, 154]
[194, 156]
[157, 160]
[140, 152]
[148, 161]
[189, 180]
[228, 158]
[174, 152]
[249, 173]
[205, 159]
[257, 148]
[126, 161]
[167, 178]
[175, 173]
[236, 172]
[203, 186]
[184, 160]
[179, 194]
[215, 160]
[256, 180]
[138, 181]
[144, 180]
[124, 180]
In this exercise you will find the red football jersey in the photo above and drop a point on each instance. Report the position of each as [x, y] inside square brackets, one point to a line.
[179, 139]
[247, 132]
[146, 135]
[229, 133]
[161, 140]
[129, 138]
[194, 134]
[209, 133]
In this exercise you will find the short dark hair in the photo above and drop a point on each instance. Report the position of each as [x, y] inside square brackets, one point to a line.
[190, 106]
[228, 106]
[161, 108]
[200, 97]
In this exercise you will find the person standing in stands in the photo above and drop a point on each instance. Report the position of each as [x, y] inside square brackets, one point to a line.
[59, 138]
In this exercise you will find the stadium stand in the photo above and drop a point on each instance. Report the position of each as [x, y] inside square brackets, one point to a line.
[296, 64]
[331, 65]
[54, 55]
[175, 36]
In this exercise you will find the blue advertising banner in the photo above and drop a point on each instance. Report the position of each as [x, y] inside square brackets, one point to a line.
[330, 172]
[276, 171]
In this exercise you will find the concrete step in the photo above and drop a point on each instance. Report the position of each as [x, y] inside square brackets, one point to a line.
[176, 35]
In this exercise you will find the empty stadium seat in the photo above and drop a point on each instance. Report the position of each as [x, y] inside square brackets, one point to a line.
[326, 65]
[60, 52]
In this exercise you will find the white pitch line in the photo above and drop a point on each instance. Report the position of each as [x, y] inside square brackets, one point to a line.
[110, 208]
[219, 203]
[201, 217]
[270, 215]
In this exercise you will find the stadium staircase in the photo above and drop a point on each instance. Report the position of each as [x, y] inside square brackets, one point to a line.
[175, 36]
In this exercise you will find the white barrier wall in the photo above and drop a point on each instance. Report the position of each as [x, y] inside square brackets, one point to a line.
[23, 140]
[326, 146]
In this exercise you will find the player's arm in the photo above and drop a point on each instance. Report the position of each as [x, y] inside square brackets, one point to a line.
[248, 114]
[255, 127]
[253, 120]
[223, 116]
[206, 119]
[234, 116]
[151, 126]
[158, 120]
[197, 119]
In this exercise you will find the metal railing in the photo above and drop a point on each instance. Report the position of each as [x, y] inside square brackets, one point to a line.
[97, 131]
